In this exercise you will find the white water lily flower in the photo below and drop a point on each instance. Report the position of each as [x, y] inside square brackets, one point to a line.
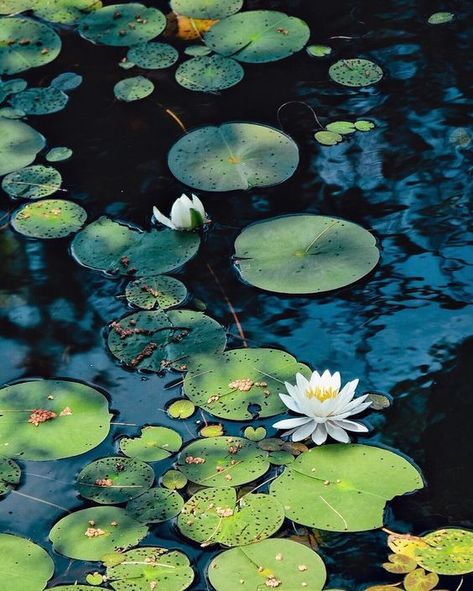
[186, 214]
[325, 406]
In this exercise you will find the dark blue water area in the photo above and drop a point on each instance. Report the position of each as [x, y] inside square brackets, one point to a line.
[403, 330]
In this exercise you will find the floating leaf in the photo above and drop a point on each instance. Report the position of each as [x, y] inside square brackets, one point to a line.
[305, 253]
[58, 154]
[158, 291]
[155, 505]
[113, 247]
[15, 6]
[43, 44]
[328, 138]
[133, 89]
[197, 50]
[67, 81]
[255, 434]
[173, 479]
[170, 570]
[40, 101]
[78, 588]
[153, 445]
[344, 487]
[379, 401]
[233, 156]
[94, 578]
[399, 564]
[24, 565]
[355, 72]
[88, 534]
[19, 144]
[49, 218]
[240, 383]
[318, 50]
[10, 475]
[66, 12]
[281, 458]
[341, 127]
[274, 563]
[122, 24]
[153, 56]
[211, 431]
[440, 18]
[258, 36]
[223, 461]
[418, 580]
[206, 9]
[114, 480]
[32, 182]
[81, 420]
[11, 113]
[11, 86]
[181, 409]
[216, 516]
[209, 74]
[363, 125]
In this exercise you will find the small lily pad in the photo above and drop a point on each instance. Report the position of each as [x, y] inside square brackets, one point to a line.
[133, 89]
[153, 56]
[158, 291]
[58, 154]
[197, 50]
[153, 445]
[399, 564]
[419, 580]
[88, 534]
[40, 101]
[206, 9]
[173, 479]
[11, 86]
[363, 125]
[94, 579]
[328, 138]
[11, 113]
[255, 434]
[181, 409]
[23, 564]
[318, 50]
[355, 72]
[209, 74]
[32, 182]
[10, 474]
[212, 430]
[49, 218]
[440, 18]
[67, 81]
[156, 505]
[341, 127]
[114, 480]
[19, 144]
[281, 458]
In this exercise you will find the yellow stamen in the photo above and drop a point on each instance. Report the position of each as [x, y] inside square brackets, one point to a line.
[321, 394]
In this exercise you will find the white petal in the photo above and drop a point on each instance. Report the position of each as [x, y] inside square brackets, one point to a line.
[302, 383]
[304, 431]
[348, 391]
[180, 213]
[163, 219]
[198, 205]
[352, 426]
[291, 423]
[326, 380]
[315, 380]
[290, 403]
[336, 381]
[336, 432]
[319, 436]
[298, 395]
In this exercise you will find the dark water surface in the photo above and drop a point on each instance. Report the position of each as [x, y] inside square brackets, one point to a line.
[404, 329]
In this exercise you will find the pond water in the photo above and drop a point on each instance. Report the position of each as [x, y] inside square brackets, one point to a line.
[403, 329]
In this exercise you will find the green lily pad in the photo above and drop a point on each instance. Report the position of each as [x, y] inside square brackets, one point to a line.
[341, 127]
[114, 480]
[82, 419]
[32, 182]
[170, 570]
[65, 12]
[305, 253]
[133, 89]
[318, 50]
[258, 36]
[181, 409]
[158, 340]
[113, 247]
[12, 86]
[19, 144]
[67, 81]
[122, 24]
[419, 580]
[94, 578]
[328, 138]
[158, 291]
[281, 458]
[233, 156]
[25, 44]
[77, 588]
[40, 101]
[274, 563]
[446, 551]
[207, 9]
[212, 431]
[58, 154]
[253, 434]
[154, 444]
[344, 487]
[10, 474]
[11, 113]
[197, 50]
[209, 74]
[355, 72]
[88, 534]
[156, 505]
[362, 125]
[240, 383]
[173, 479]
[15, 6]
[216, 516]
[24, 566]
[49, 218]
[223, 461]
[440, 18]
[153, 56]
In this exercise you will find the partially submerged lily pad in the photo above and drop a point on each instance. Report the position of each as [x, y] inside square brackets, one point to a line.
[133, 89]
[88, 534]
[159, 291]
[305, 253]
[233, 156]
[440, 18]
[153, 56]
[19, 144]
[274, 563]
[355, 72]
[32, 182]
[10, 474]
[153, 445]
[328, 138]
[114, 480]
[24, 566]
[238, 384]
[206, 9]
[49, 218]
[197, 50]
[258, 36]
[67, 81]
[318, 50]
[58, 154]
[223, 461]
[12, 86]
[182, 408]
[156, 505]
[40, 101]
[51, 419]
[113, 247]
[216, 516]
[209, 74]
[344, 487]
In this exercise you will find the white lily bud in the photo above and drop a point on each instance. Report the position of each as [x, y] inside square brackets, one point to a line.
[186, 214]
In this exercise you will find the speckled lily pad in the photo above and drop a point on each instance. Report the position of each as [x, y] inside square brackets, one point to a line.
[207, 9]
[355, 72]
[49, 218]
[133, 89]
[153, 445]
[66, 12]
[32, 182]
[19, 144]
[10, 474]
[156, 505]
[153, 56]
[40, 101]
[24, 566]
[209, 74]
[158, 291]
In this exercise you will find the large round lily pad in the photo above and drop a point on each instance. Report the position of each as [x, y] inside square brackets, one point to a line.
[209, 74]
[114, 480]
[89, 534]
[281, 564]
[258, 36]
[19, 144]
[355, 72]
[25, 44]
[10, 474]
[216, 516]
[305, 253]
[207, 9]
[344, 487]
[133, 89]
[51, 419]
[153, 445]
[158, 291]
[153, 56]
[49, 218]
[24, 566]
[156, 505]
[151, 568]
[223, 461]
[233, 156]
[113, 247]
[158, 340]
[238, 384]
[40, 101]
[32, 182]
[122, 24]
